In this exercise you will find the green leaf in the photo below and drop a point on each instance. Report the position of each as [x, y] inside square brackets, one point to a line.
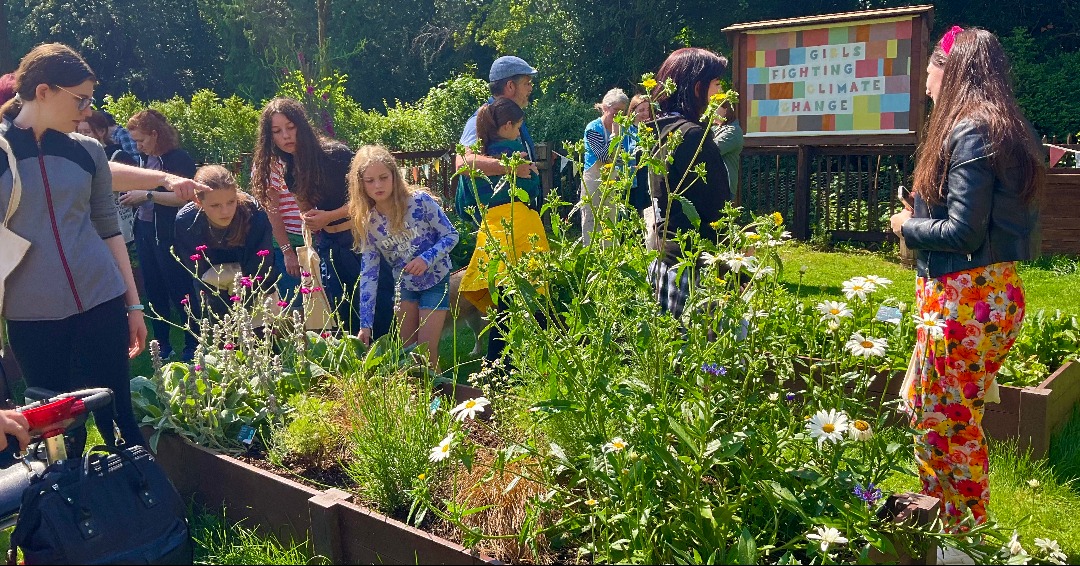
[746, 548]
[689, 210]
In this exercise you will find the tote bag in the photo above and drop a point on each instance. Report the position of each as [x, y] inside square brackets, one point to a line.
[318, 315]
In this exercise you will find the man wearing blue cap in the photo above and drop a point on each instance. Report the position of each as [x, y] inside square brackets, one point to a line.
[510, 77]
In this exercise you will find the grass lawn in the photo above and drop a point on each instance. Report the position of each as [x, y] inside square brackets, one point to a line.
[1049, 283]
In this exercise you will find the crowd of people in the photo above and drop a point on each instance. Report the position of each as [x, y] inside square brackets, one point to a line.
[75, 317]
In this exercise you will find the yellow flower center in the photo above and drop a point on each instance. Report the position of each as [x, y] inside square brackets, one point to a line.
[444, 448]
[862, 426]
[618, 445]
[590, 502]
[470, 404]
[867, 344]
[834, 311]
[828, 428]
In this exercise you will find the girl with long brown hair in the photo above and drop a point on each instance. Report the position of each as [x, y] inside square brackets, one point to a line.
[299, 177]
[974, 215]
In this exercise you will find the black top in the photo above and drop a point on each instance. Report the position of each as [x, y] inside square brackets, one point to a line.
[115, 152]
[176, 162]
[193, 229]
[708, 195]
[333, 192]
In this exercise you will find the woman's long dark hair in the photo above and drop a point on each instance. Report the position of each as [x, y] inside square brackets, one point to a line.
[54, 64]
[307, 160]
[691, 69]
[492, 116]
[219, 178]
[975, 86]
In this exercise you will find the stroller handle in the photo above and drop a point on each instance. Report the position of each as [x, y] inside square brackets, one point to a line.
[52, 415]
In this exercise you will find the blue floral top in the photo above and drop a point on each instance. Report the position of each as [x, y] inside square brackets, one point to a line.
[428, 234]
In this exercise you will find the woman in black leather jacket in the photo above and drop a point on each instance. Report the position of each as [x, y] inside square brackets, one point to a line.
[974, 215]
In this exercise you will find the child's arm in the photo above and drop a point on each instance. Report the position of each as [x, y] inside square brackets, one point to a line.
[448, 236]
[368, 286]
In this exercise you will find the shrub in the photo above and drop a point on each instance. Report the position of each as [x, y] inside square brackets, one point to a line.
[311, 436]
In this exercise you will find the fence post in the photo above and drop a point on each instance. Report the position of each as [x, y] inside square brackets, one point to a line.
[801, 222]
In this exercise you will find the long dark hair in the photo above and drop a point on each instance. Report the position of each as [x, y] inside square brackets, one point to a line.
[54, 64]
[691, 69]
[307, 160]
[976, 87]
[492, 116]
[219, 178]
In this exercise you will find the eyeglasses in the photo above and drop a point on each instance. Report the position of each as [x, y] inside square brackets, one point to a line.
[84, 101]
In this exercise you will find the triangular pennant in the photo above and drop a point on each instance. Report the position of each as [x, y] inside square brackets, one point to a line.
[1056, 153]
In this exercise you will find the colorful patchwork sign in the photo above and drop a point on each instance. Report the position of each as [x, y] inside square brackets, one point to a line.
[822, 79]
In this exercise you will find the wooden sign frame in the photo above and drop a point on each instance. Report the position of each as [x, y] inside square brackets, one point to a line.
[921, 22]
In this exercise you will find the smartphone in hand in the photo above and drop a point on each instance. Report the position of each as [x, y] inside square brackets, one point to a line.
[905, 197]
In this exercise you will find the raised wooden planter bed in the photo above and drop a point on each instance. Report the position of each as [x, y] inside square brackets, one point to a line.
[1027, 415]
[336, 528]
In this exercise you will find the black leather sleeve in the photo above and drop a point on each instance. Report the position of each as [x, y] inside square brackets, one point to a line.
[969, 198]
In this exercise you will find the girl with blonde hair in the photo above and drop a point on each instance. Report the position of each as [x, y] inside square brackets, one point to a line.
[407, 227]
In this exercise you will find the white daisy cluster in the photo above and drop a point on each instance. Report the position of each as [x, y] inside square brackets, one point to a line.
[862, 287]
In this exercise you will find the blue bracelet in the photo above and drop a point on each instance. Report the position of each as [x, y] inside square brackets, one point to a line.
[135, 307]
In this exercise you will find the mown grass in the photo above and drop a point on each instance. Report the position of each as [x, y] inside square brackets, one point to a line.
[1049, 283]
[217, 541]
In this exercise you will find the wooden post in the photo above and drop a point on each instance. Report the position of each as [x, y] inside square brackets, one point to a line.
[801, 222]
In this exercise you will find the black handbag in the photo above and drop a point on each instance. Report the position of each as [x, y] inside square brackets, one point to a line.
[117, 508]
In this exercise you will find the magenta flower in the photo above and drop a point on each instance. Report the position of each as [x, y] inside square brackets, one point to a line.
[326, 96]
[184, 301]
[201, 248]
[230, 346]
[305, 274]
[310, 89]
[262, 253]
[304, 291]
[245, 281]
[283, 304]
[316, 289]
[195, 257]
[198, 367]
[235, 298]
[325, 335]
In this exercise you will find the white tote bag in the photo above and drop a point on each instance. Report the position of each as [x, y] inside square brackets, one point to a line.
[12, 246]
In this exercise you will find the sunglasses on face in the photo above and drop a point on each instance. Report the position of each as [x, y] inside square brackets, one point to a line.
[84, 102]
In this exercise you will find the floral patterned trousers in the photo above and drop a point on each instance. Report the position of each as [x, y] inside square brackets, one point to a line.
[957, 355]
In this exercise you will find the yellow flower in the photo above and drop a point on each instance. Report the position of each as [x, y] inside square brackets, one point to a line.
[649, 83]
[778, 218]
[421, 477]
[715, 225]
[754, 236]
[719, 97]
[590, 502]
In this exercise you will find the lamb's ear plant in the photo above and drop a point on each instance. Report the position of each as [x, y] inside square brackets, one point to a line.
[661, 440]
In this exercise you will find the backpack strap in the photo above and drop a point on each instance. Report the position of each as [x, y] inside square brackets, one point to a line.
[16, 180]
[659, 194]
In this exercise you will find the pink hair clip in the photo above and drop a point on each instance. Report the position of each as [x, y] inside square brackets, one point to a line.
[949, 38]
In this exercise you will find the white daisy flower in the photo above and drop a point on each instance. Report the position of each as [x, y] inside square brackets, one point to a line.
[858, 287]
[828, 536]
[833, 326]
[860, 431]
[1052, 550]
[998, 300]
[865, 346]
[878, 281]
[442, 451]
[468, 409]
[710, 259]
[739, 261]
[828, 425]
[931, 323]
[833, 310]
[763, 272]
[617, 444]
[1014, 547]
[774, 397]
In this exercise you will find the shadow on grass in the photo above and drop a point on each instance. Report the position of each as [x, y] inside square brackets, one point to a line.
[1064, 454]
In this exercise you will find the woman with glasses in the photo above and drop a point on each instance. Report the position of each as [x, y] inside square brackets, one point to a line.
[72, 310]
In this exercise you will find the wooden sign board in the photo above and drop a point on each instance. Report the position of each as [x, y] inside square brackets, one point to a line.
[855, 78]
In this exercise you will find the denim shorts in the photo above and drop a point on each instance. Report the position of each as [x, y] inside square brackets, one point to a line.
[437, 298]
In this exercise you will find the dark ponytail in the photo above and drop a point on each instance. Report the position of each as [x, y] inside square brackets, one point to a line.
[492, 116]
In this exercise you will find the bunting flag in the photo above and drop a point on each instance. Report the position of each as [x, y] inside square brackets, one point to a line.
[1057, 152]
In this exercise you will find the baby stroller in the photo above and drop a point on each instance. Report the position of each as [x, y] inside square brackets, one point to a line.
[116, 508]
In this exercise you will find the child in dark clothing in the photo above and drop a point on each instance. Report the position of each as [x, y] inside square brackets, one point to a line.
[223, 234]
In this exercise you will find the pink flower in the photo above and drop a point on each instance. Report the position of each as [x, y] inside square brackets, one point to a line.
[305, 274]
[230, 346]
[262, 253]
[195, 257]
[981, 311]
[235, 298]
[245, 281]
[198, 367]
[283, 304]
[325, 335]
[258, 277]
[201, 248]
[184, 301]
[316, 289]
[304, 291]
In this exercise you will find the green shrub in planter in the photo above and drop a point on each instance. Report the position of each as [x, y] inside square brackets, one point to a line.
[311, 435]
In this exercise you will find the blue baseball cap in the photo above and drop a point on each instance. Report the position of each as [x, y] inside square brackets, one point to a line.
[509, 66]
